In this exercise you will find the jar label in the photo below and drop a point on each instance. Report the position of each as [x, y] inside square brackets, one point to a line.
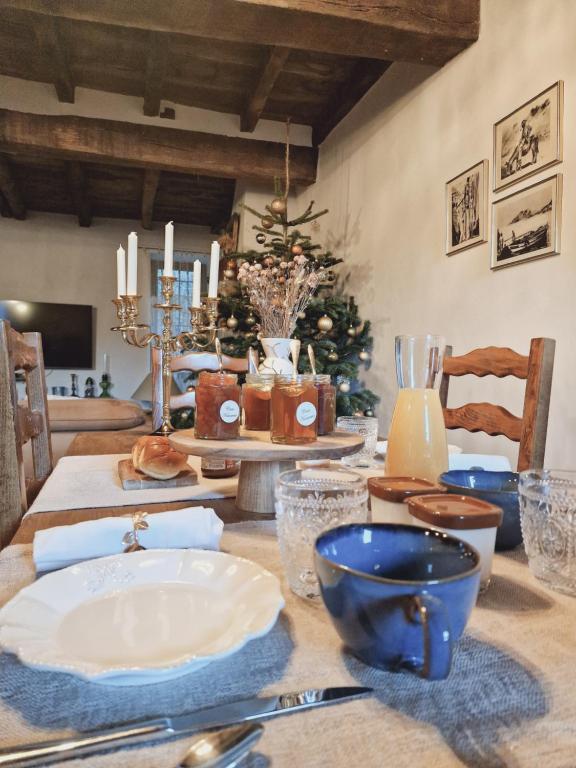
[306, 414]
[229, 411]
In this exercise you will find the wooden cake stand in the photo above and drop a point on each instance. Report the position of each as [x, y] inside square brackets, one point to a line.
[262, 461]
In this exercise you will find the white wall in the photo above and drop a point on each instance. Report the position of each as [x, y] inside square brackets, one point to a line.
[50, 258]
[382, 174]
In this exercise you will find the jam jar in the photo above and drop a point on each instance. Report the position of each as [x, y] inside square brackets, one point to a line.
[256, 395]
[326, 403]
[217, 406]
[294, 410]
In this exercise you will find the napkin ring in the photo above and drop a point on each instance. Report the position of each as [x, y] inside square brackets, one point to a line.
[130, 538]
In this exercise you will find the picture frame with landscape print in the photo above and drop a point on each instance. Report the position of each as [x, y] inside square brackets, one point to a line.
[530, 138]
[467, 208]
[526, 224]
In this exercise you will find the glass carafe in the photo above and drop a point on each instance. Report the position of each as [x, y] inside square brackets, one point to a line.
[417, 444]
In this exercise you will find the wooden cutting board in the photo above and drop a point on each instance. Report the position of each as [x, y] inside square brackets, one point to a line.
[133, 480]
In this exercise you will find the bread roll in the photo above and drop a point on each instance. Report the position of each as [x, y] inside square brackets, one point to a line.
[155, 457]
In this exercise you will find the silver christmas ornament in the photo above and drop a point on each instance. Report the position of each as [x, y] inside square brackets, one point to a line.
[363, 355]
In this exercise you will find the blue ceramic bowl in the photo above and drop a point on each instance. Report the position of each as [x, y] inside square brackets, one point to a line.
[399, 596]
[500, 488]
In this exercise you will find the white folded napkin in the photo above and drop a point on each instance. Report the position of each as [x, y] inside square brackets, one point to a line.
[197, 527]
[490, 462]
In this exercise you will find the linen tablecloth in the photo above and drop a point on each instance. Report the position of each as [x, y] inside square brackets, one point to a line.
[82, 482]
[510, 700]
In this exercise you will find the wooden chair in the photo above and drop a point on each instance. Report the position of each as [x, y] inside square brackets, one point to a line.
[193, 362]
[529, 430]
[20, 423]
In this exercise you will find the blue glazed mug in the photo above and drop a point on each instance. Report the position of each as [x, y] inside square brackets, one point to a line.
[399, 596]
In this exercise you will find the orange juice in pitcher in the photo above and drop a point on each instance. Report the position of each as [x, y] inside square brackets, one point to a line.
[417, 443]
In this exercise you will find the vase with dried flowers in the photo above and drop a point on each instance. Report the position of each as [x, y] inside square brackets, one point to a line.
[278, 291]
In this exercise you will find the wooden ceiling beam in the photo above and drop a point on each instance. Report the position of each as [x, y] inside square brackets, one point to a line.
[47, 32]
[364, 75]
[78, 187]
[10, 190]
[404, 30]
[272, 68]
[87, 139]
[156, 69]
[149, 189]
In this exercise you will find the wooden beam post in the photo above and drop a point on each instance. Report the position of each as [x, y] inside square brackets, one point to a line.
[10, 190]
[272, 68]
[49, 41]
[364, 74]
[79, 192]
[149, 189]
[87, 139]
[156, 68]
[404, 30]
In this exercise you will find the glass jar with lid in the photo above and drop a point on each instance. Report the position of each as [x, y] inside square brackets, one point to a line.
[256, 397]
[217, 406]
[326, 403]
[294, 415]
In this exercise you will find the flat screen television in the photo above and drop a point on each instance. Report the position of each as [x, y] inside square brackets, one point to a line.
[66, 330]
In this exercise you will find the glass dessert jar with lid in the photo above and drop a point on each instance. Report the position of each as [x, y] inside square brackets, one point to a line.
[217, 406]
[326, 403]
[294, 415]
[256, 397]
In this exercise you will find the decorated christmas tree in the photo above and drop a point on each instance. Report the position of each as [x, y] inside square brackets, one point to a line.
[322, 315]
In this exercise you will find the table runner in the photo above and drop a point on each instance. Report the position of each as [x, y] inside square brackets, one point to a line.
[510, 700]
[81, 482]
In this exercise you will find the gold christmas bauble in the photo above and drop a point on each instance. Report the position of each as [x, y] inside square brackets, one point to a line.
[250, 320]
[344, 386]
[232, 323]
[333, 357]
[278, 205]
[229, 273]
[296, 249]
[351, 331]
[267, 222]
[261, 238]
[301, 315]
[325, 324]
[363, 355]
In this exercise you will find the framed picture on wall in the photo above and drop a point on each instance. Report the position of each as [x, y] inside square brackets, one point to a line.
[530, 138]
[526, 224]
[467, 208]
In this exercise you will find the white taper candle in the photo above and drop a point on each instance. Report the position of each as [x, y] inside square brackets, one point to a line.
[197, 279]
[214, 267]
[169, 250]
[132, 282]
[121, 271]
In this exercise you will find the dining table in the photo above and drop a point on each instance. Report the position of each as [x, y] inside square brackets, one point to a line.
[509, 702]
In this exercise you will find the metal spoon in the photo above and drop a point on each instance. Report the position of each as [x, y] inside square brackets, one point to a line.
[218, 347]
[312, 358]
[224, 748]
[295, 354]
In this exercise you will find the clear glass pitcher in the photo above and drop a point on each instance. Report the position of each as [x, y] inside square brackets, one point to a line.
[417, 444]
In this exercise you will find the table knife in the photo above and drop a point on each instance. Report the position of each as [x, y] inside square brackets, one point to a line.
[138, 732]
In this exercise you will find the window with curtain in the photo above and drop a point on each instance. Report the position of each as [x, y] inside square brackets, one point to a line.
[183, 272]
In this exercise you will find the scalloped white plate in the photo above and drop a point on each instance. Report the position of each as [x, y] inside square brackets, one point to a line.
[142, 617]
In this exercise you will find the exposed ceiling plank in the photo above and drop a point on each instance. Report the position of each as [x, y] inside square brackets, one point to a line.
[10, 191]
[145, 146]
[47, 34]
[274, 63]
[156, 69]
[364, 75]
[78, 187]
[405, 30]
[149, 189]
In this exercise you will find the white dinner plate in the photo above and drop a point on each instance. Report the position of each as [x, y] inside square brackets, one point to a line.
[142, 617]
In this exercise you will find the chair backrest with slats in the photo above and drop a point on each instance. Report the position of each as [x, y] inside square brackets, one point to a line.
[20, 423]
[530, 429]
[193, 362]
